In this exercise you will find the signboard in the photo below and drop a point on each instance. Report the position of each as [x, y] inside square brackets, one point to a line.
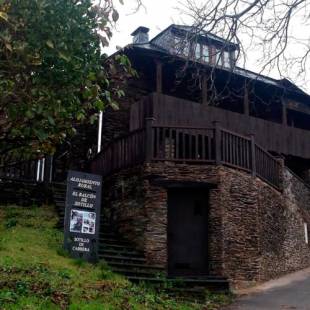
[82, 215]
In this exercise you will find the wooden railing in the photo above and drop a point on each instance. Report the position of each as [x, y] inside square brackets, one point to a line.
[189, 145]
[122, 153]
[24, 170]
[182, 144]
[267, 167]
[35, 170]
[243, 153]
[236, 150]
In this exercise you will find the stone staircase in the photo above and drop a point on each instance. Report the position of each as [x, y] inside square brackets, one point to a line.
[124, 259]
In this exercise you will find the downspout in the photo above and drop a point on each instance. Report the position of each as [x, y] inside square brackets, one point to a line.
[99, 132]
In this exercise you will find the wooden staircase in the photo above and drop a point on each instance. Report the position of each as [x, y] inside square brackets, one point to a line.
[123, 258]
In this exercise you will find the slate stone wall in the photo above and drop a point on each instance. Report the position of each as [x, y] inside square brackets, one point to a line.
[255, 232]
[123, 204]
[262, 228]
[156, 176]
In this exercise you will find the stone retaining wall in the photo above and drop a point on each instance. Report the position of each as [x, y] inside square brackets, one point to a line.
[255, 232]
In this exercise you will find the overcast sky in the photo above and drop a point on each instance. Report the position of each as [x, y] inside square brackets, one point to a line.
[159, 14]
[156, 15]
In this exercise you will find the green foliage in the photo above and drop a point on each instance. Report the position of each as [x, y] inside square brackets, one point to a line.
[52, 76]
[10, 223]
[34, 276]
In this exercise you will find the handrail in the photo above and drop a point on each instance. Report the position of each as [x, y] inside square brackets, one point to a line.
[123, 152]
[235, 134]
[115, 140]
[192, 145]
[184, 127]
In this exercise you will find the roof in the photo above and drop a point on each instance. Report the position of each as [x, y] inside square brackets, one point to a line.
[204, 33]
[281, 83]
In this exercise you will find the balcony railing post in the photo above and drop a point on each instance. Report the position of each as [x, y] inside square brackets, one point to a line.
[217, 142]
[280, 176]
[252, 153]
[149, 138]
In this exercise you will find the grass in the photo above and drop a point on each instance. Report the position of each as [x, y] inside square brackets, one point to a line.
[36, 273]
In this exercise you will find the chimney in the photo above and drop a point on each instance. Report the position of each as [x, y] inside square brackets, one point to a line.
[141, 35]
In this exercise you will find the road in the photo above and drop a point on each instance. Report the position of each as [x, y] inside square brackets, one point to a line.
[288, 293]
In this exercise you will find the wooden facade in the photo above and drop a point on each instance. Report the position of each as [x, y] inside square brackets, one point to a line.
[192, 145]
[173, 111]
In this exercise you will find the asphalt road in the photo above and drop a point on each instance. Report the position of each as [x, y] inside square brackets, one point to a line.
[292, 296]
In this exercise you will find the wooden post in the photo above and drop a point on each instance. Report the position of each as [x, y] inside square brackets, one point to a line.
[284, 112]
[246, 102]
[253, 159]
[217, 142]
[159, 77]
[149, 138]
[281, 173]
[204, 90]
[48, 172]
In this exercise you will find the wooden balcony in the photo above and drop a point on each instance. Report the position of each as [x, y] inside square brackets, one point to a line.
[173, 111]
[188, 145]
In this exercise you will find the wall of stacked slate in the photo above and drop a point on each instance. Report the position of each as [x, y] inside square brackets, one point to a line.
[255, 232]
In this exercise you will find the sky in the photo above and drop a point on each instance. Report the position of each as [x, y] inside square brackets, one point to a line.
[158, 15]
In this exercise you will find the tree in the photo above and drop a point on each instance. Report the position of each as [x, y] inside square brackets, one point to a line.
[53, 75]
[278, 30]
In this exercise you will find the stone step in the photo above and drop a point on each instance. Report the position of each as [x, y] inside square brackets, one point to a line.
[60, 198]
[119, 249]
[122, 258]
[59, 184]
[110, 241]
[124, 252]
[59, 206]
[122, 265]
[59, 189]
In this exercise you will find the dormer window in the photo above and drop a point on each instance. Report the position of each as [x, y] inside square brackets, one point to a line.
[181, 46]
[226, 59]
[204, 48]
[205, 53]
[218, 58]
[198, 52]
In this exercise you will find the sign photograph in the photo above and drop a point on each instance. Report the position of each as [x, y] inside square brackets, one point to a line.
[82, 221]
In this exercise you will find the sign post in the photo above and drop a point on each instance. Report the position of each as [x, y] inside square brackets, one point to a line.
[82, 215]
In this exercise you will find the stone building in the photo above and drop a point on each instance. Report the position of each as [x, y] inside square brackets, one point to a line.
[206, 164]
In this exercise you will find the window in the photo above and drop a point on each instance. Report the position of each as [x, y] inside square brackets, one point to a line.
[226, 59]
[306, 233]
[197, 48]
[205, 53]
[218, 58]
[181, 46]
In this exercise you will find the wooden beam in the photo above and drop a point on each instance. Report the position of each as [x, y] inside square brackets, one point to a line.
[253, 157]
[149, 139]
[159, 77]
[246, 101]
[284, 112]
[297, 106]
[204, 90]
[217, 142]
